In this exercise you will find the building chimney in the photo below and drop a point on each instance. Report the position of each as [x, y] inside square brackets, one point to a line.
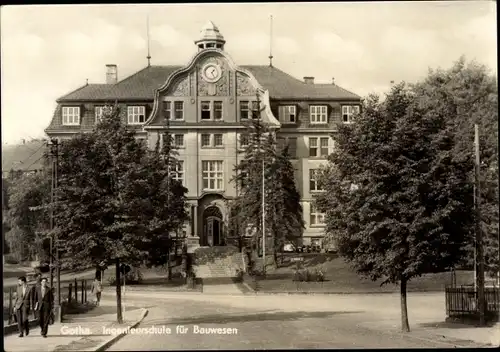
[111, 74]
[309, 80]
[333, 80]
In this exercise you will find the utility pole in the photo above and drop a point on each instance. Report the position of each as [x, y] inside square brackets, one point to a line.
[479, 235]
[51, 239]
[263, 218]
[54, 243]
[167, 149]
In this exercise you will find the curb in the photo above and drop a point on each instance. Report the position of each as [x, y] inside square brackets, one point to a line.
[284, 293]
[103, 346]
[12, 328]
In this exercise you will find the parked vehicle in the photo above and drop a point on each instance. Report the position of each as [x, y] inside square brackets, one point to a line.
[288, 248]
[316, 248]
[330, 249]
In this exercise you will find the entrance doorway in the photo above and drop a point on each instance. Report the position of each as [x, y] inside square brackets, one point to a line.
[212, 226]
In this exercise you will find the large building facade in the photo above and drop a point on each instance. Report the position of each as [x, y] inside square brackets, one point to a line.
[207, 102]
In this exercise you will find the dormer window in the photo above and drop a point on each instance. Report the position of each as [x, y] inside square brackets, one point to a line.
[288, 114]
[98, 113]
[136, 115]
[318, 114]
[348, 112]
[71, 115]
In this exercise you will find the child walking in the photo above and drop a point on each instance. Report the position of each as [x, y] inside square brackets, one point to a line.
[97, 289]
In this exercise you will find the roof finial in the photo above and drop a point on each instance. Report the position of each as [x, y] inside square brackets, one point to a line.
[147, 28]
[271, 43]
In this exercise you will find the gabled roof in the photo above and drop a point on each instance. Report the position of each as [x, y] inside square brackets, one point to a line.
[142, 85]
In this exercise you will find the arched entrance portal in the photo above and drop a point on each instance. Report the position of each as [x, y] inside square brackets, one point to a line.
[212, 226]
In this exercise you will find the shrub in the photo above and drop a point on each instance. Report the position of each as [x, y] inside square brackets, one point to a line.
[206, 255]
[306, 275]
[133, 277]
[10, 259]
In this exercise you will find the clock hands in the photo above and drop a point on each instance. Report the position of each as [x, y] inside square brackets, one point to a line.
[211, 72]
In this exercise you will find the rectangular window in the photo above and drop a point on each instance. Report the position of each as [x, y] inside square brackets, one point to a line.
[218, 142]
[213, 175]
[205, 110]
[179, 140]
[71, 115]
[317, 218]
[319, 146]
[98, 113]
[205, 140]
[217, 110]
[314, 180]
[244, 110]
[313, 147]
[292, 147]
[178, 172]
[290, 142]
[179, 110]
[167, 110]
[243, 141]
[318, 114]
[324, 149]
[348, 112]
[288, 113]
[255, 110]
[136, 115]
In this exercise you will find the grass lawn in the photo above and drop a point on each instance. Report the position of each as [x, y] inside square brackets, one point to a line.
[156, 279]
[340, 278]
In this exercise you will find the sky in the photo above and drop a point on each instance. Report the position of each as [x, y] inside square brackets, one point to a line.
[48, 51]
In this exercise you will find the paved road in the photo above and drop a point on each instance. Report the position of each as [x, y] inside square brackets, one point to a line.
[265, 322]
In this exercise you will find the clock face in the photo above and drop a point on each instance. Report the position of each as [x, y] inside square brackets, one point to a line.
[211, 72]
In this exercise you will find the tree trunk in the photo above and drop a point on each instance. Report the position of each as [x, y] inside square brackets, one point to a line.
[405, 326]
[169, 266]
[118, 293]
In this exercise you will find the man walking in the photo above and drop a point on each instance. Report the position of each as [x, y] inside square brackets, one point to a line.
[38, 283]
[22, 306]
[44, 300]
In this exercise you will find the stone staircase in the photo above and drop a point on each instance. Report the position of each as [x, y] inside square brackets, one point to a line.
[227, 267]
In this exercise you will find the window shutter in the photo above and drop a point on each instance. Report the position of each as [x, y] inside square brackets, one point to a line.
[292, 146]
[281, 114]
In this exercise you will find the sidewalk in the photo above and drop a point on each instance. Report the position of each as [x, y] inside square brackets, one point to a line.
[76, 333]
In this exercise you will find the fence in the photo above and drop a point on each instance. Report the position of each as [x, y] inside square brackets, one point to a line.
[463, 301]
[71, 294]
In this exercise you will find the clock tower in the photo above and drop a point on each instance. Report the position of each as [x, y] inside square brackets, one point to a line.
[210, 38]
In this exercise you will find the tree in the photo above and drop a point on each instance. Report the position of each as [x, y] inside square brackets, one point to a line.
[111, 203]
[27, 220]
[475, 92]
[285, 214]
[282, 200]
[412, 202]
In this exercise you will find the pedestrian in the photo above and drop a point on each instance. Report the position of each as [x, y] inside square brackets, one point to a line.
[97, 289]
[22, 306]
[38, 282]
[44, 300]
